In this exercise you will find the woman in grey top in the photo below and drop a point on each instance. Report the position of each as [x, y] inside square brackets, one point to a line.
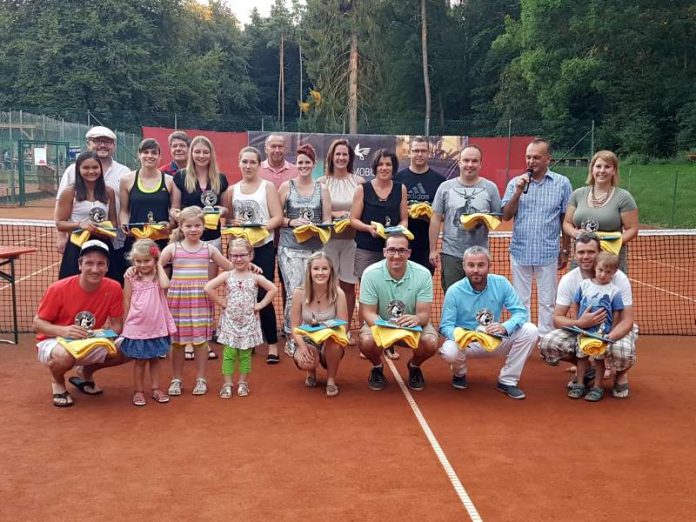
[304, 201]
[602, 206]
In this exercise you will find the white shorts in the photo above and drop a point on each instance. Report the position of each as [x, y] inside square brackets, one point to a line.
[45, 349]
[342, 255]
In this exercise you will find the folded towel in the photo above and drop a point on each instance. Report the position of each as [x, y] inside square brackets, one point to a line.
[253, 235]
[341, 225]
[385, 232]
[154, 231]
[610, 242]
[464, 337]
[319, 337]
[420, 210]
[385, 337]
[306, 232]
[79, 236]
[81, 348]
[211, 219]
[591, 346]
[469, 221]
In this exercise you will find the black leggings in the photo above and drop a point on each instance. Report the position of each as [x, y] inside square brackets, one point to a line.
[264, 257]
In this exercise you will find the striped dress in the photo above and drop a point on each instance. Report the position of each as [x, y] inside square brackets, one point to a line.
[188, 303]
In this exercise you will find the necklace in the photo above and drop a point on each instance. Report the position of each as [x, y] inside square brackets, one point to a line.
[599, 201]
[320, 297]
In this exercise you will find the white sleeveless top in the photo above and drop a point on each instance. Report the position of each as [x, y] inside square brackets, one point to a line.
[81, 209]
[252, 208]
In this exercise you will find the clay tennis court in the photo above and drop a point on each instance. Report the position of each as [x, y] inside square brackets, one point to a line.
[288, 453]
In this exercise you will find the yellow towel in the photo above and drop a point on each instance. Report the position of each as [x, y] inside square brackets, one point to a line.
[611, 245]
[591, 346]
[385, 337]
[306, 232]
[464, 337]
[253, 235]
[420, 210]
[381, 232]
[80, 348]
[319, 337]
[211, 219]
[469, 221]
[341, 225]
[154, 231]
[78, 237]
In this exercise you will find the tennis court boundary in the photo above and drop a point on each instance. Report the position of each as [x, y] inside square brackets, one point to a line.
[435, 445]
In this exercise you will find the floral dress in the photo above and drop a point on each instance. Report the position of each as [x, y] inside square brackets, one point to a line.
[239, 324]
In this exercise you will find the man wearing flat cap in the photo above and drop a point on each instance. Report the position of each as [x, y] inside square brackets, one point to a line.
[69, 323]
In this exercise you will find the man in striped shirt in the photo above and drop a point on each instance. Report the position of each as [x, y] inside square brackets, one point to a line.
[537, 201]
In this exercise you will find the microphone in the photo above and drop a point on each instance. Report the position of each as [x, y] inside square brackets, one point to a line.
[529, 181]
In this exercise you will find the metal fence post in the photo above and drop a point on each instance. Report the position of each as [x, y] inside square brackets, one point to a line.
[674, 198]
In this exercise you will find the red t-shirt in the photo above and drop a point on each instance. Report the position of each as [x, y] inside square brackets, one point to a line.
[64, 299]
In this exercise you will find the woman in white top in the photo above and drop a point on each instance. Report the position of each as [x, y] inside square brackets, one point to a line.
[255, 200]
[342, 184]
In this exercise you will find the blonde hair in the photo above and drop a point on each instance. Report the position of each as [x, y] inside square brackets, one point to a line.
[186, 214]
[240, 242]
[607, 260]
[609, 157]
[253, 150]
[213, 174]
[144, 248]
[332, 284]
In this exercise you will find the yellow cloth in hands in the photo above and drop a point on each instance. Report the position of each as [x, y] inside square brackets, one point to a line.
[613, 246]
[319, 337]
[211, 219]
[592, 346]
[341, 225]
[381, 232]
[154, 231]
[253, 235]
[464, 337]
[306, 232]
[385, 337]
[81, 348]
[78, 237]
[469, 221]
[420, 210]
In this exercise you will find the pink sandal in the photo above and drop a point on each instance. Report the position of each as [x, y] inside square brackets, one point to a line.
[160, 396]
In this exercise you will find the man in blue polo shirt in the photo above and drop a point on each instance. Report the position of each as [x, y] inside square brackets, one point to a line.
[401, 291]
[538, 200]
[476, 302]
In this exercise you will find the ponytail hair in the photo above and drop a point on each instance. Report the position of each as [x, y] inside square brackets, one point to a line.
[186, 214]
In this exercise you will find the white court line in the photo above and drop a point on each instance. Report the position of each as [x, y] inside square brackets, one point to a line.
[662, 290]
[675, 267]
[454, 479]
[35, 238]
[30, 275]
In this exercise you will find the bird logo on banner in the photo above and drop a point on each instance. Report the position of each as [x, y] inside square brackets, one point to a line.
[362, 152]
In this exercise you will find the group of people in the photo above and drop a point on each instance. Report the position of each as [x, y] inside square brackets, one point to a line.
[157, 232]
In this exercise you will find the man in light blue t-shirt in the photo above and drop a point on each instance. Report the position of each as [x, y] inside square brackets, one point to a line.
[400, 291]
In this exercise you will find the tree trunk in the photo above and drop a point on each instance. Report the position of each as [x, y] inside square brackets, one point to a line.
[353, 85]
[281, 82]
[426, 74]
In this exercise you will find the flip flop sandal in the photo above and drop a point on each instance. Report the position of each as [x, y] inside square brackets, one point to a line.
[576, 391]
[621, 391]
[160, 397]
[81, 384]
[595, 395]
[331, 390]
[62, 400]
[139, 399]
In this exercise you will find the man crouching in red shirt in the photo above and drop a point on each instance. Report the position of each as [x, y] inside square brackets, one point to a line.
[71, 310]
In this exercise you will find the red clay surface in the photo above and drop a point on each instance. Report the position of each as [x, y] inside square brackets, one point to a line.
[288, 453]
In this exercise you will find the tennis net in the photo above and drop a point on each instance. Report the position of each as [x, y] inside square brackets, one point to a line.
[660, 269]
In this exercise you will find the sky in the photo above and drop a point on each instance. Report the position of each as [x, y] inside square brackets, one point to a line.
[242, 8]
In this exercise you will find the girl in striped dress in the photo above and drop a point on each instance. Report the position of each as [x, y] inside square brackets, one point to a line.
[190, 306]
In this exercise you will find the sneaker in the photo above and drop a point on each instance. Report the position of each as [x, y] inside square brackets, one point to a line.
[376, 380]
[511, 391]
[415, 377]
[459, 382]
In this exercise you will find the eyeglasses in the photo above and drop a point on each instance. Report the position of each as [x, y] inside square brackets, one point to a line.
[238, 256]
[397, 251]
[102, 141]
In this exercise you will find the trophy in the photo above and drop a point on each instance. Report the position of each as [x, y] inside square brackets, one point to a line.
[484, 318]
[209, 200]
[97, 215]
[86, 320]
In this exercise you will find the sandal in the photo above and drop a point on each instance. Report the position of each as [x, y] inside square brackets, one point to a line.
[621, 391]
[174, 387]
[310, 381]
[212, 355]
[226, 392]
[243, 389]
[595, 395]
[139, 399]
[189, 356]
[201, 387]
[577, 391]
[62, 400]
[159, 396]
[331, 390]
[392, 354]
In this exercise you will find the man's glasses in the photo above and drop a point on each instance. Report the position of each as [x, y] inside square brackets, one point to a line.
[102, 141]
[396, 251]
